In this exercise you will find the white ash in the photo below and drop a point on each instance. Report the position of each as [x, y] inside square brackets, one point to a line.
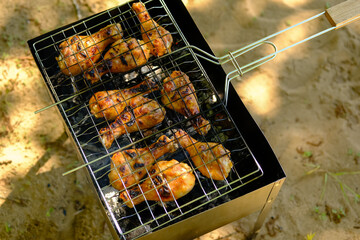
[111, 196]
[149, 70]
[213, 99]
[130, 76]
[153, 72]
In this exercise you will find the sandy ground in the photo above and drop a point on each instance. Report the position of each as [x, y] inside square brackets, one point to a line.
[307, 102]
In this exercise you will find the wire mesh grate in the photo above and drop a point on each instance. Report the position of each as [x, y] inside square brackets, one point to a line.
[72, 94]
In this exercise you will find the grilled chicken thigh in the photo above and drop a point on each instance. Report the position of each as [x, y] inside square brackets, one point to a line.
[179, 94]
[211, 159]
[123, 56]
[110, 104]
[79, 53]
[158, 39]
[169, 180]
[141, 114]
[128, 167]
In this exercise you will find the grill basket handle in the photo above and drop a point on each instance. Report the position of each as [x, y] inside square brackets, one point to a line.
[338, 16]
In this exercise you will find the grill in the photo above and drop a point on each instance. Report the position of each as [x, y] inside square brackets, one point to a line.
[252, 182]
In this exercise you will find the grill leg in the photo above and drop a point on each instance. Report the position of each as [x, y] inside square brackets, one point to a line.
[265, 210]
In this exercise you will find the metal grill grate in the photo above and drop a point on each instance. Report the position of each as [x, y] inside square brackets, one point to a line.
[72, 93]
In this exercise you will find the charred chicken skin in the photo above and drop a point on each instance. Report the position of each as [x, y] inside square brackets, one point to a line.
[123, 56]
[211, 159]
[179, 94]
[128, 167]
[110, 104]
[169, 180]
[141, 114]
[158, 39]
[79, 53]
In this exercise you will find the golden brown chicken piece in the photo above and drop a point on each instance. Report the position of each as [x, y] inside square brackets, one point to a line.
[155, 36]
[169, 180]
[123, 56]
[128, 167]
[211, 159]
[142, 113]
[179, 94]
[79, 53]
[110, 104]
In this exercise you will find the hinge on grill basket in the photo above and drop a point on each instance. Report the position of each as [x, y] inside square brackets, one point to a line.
[231, 56]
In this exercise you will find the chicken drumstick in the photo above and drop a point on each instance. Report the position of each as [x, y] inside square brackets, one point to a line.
[169, 180]
[142, 113]
[110, 104]
[123, 56]
[179, 95]
[158, 39]
[79, 53]
[129, 166]
[211, 159]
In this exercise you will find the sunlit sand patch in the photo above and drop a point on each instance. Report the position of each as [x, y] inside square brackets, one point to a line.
[295, 3]
[259, 93]
[196, 3]
[22, 154]
[112, 3]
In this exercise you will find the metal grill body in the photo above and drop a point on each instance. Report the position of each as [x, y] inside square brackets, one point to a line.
[256, 175]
